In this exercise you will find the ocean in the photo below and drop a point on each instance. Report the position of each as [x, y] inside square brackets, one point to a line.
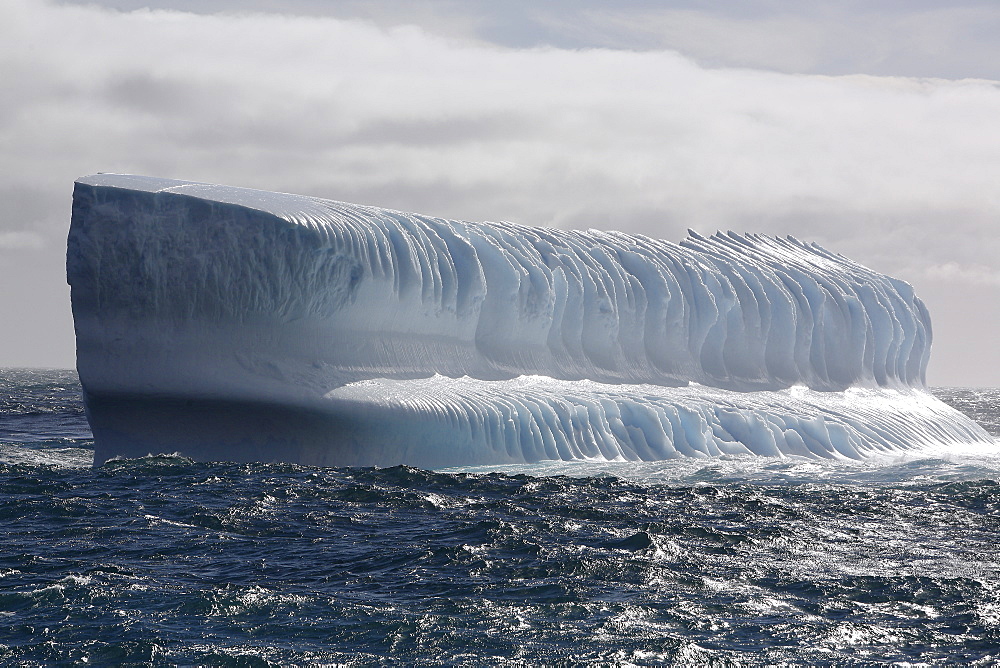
[734, 561]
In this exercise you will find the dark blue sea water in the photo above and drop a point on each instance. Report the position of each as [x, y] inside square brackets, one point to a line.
[162, 561]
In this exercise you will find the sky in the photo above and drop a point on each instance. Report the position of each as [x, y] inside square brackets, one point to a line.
[871, 128]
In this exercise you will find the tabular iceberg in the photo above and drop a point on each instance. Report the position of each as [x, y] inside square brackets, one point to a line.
[242, 325]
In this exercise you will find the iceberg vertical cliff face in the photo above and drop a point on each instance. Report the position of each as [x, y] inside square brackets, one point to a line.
[237, 324]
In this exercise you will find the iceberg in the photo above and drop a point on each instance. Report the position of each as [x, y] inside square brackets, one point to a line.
[232, 324]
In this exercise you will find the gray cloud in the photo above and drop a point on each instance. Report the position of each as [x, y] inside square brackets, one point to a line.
[19, 240]
[439, 131]
[896, 172]
[879, 38]
[924, 38]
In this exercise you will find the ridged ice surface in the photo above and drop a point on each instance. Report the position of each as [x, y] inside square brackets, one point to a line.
[411, 339]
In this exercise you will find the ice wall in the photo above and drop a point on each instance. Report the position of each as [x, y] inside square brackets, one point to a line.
[245, 302]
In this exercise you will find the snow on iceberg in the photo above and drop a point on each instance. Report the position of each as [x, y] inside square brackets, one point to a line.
[241, 325]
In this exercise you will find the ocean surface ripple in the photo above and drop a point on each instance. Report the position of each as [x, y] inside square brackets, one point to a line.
[729, 561]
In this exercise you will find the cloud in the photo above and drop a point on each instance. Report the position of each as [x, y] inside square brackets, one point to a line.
[884, 169]
[20, 240]
[976, 274]
[343, 108]
[880, 38]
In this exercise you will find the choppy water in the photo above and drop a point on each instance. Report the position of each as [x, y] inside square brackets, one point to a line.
[163, 561]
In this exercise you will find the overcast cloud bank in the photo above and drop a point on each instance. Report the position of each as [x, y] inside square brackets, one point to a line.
[898, 173]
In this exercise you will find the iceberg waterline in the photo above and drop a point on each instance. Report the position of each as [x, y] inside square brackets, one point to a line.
[227, 323]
